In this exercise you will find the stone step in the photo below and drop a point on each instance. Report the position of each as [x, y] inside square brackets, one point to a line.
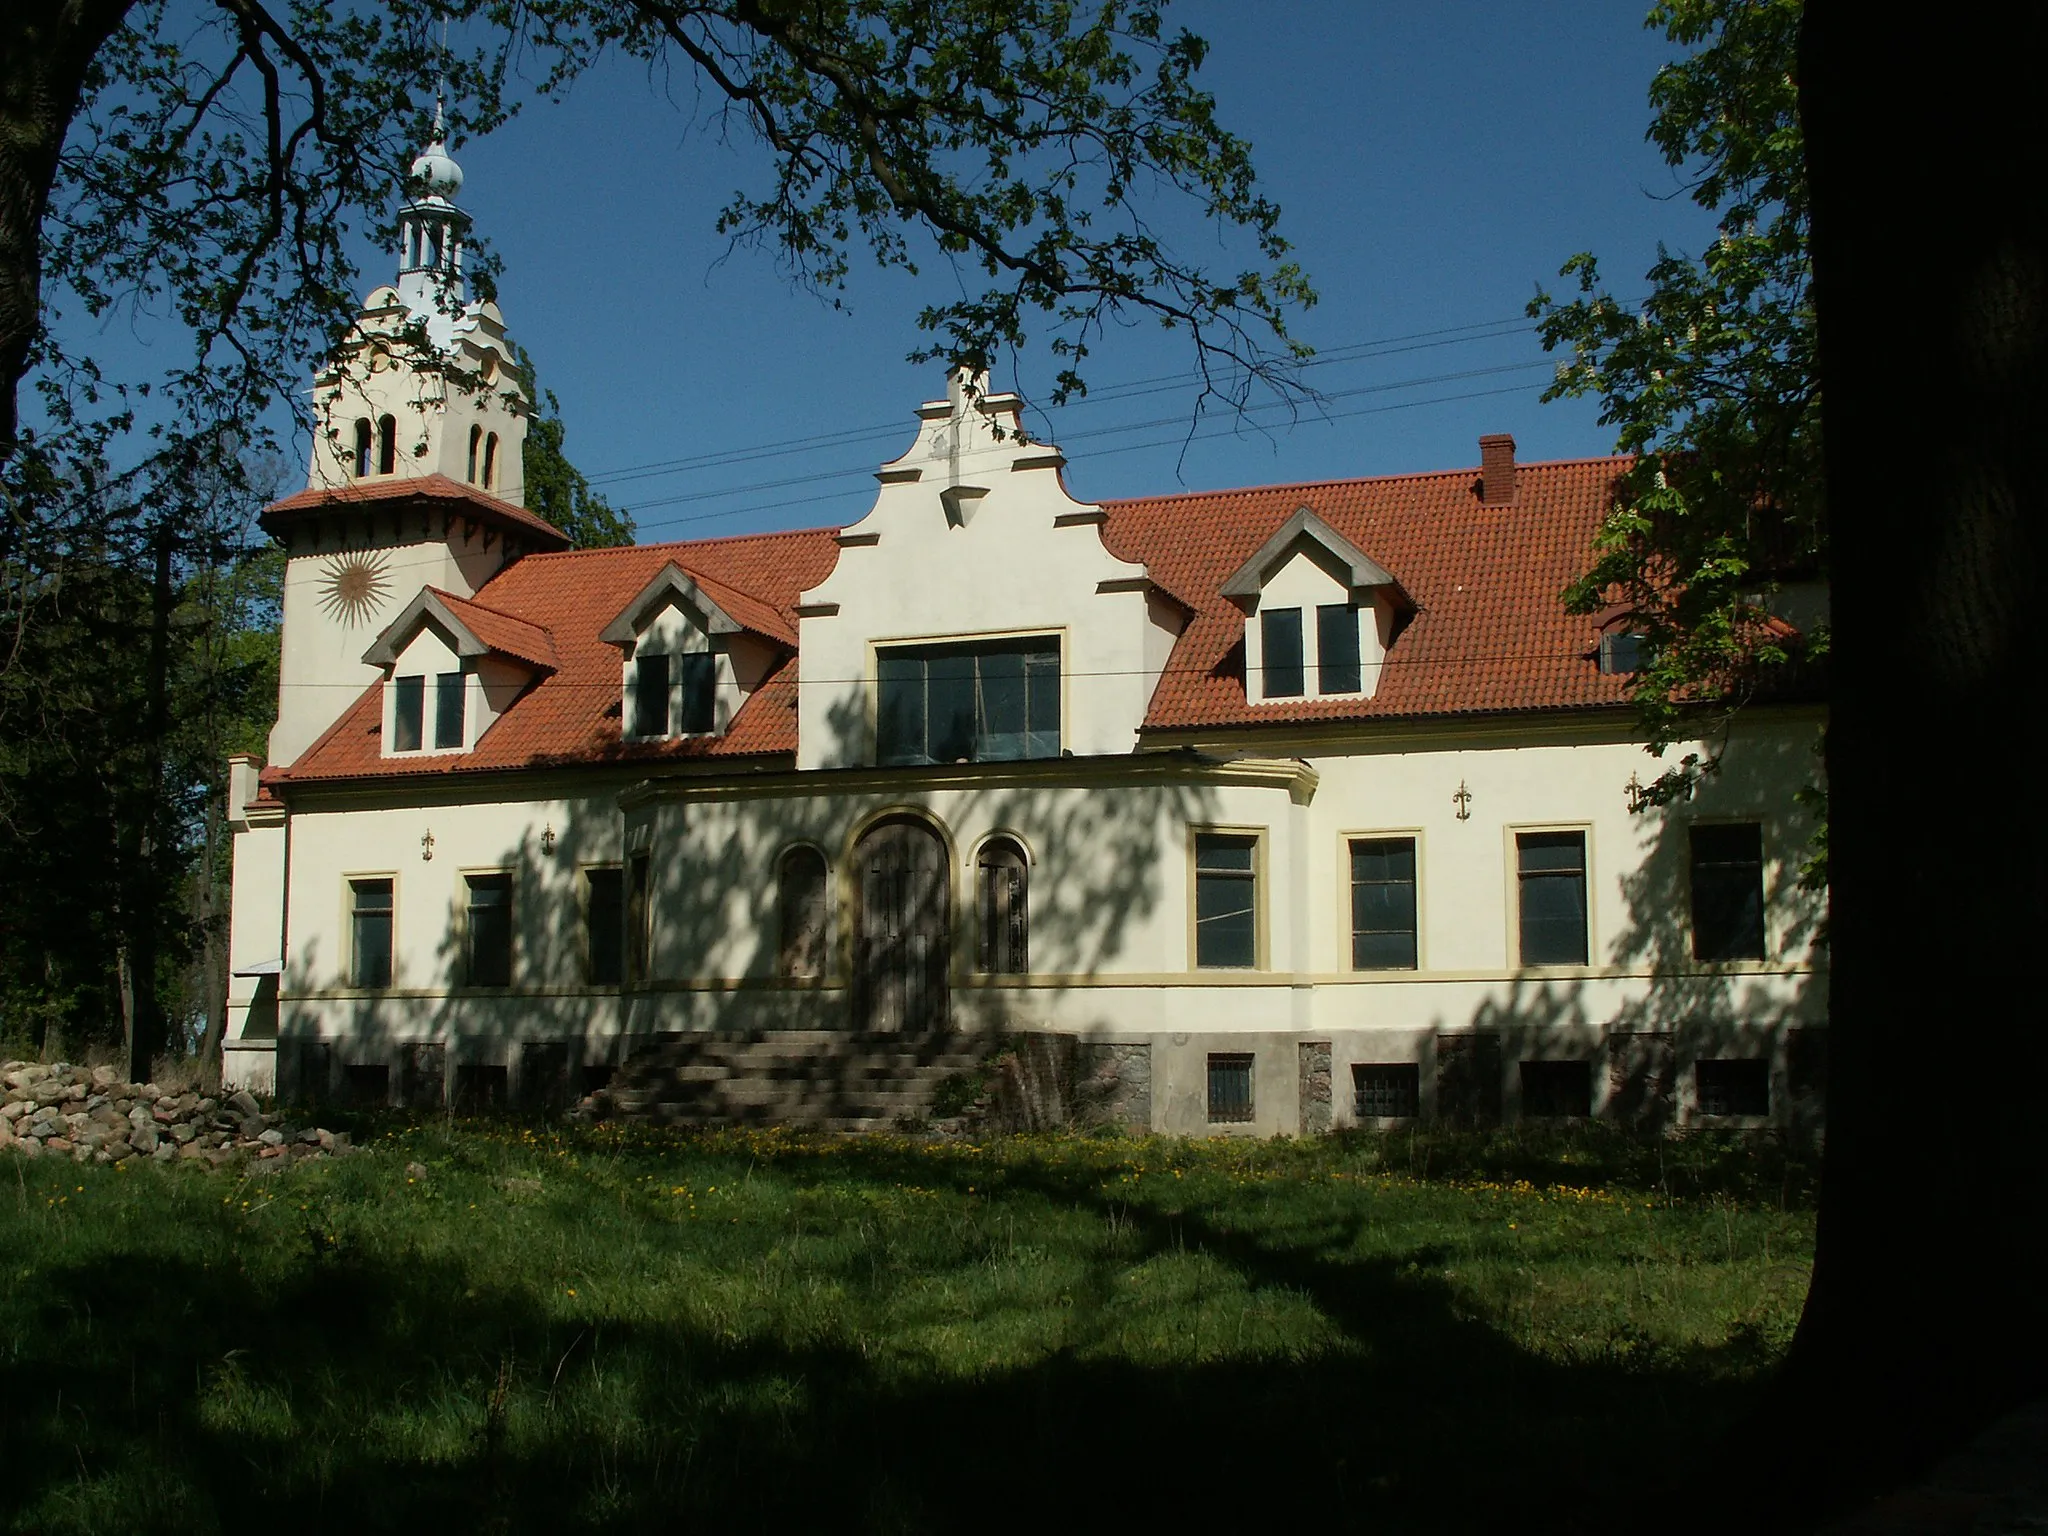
[698, 1070]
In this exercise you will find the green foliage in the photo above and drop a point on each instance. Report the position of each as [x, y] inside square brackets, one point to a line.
[557, 489]
[633, 1330]
[1713, 385]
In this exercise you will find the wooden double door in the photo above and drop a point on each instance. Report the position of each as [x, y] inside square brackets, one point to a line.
[903, 929]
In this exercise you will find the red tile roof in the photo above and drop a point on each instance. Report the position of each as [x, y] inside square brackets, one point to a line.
[1489, 635]
[516, 637]
[572, 715]
[436, 490]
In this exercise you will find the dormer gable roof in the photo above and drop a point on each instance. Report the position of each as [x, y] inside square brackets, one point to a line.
[471, 628]
[726, 609]
[1359, 569]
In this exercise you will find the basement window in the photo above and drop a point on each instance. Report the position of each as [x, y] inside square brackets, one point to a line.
[1389, 1091]
[1230, 1088]
[1733, 1087]
[1557, 1089]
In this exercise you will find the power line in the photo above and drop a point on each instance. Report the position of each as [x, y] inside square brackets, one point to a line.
[1378, 347]
[1370, 410]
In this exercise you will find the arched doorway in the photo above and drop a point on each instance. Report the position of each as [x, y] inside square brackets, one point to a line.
[903, 929]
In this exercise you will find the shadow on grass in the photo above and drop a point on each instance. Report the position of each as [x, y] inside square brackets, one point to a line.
[189, 1397]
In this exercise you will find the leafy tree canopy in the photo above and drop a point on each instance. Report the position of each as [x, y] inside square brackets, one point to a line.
[557, 489]
[1713, 384]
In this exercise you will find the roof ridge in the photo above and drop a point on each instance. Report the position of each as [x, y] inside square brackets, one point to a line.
[727, 538]
[1305, 485]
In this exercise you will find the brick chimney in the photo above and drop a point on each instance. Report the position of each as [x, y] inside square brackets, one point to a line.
[1496, 469]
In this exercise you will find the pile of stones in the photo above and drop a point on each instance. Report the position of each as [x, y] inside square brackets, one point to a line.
[89, 1115]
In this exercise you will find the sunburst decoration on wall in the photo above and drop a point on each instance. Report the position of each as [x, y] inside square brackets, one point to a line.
[353, 587]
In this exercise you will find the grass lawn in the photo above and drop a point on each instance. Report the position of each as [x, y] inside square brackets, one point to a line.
[614, 1329]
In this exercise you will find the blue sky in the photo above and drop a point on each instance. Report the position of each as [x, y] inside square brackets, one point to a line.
[1435, 163]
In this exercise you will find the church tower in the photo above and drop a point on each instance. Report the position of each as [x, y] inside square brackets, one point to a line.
[414, 478]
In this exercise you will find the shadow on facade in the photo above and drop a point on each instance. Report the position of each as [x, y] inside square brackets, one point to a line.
[1101, 859]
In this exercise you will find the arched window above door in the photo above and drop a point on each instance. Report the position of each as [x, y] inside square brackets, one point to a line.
[1002, 904]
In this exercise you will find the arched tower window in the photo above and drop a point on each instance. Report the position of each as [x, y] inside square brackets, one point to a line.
[490, 480]
[362, 446]
[800, 891]
[1001, 902]
[387, 445]
[476, 437]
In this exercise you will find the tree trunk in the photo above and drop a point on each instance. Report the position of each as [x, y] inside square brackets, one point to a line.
[45, 48]
[213, 954]
[1930, 248]
[144, 903]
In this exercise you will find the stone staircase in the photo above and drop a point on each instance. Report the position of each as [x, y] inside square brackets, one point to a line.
[809, 1079]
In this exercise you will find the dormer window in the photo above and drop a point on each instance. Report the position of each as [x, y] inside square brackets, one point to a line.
[1280, 632]
[1308, 567]
[675, 694]
[478, 661]
[689, 664]
[408, 712]
[1623, 653]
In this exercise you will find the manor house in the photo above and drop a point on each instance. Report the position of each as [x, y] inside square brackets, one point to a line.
[1300, 806]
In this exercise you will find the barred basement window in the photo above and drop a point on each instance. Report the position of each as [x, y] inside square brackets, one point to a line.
[604, 925]
[1280, 647]
[1386, 1092]
[480, 1087]
[368, 1084]
[1383, 904]
[1556, 1089]
[369, 933]
[1230, 1088]
[1003, 906]
[1728, 892]
[408, 712]
[487, 932]
[448, 710]
[1733, 1087]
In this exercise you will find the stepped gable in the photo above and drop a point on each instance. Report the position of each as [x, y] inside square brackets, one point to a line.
[431, 493]
[1489, 634]
[572, 714]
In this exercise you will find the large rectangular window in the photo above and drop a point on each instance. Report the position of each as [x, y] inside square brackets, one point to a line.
[604, 925]
[1728, 892]
[408, 712]
[448, 702]
[487, 933]
[699, 670]
[369, 954]
[1337, 662]
[650, 696]
[993, 702]
[1552, 875]
[1280, 647]
[1226, 901]
[1383, 904]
